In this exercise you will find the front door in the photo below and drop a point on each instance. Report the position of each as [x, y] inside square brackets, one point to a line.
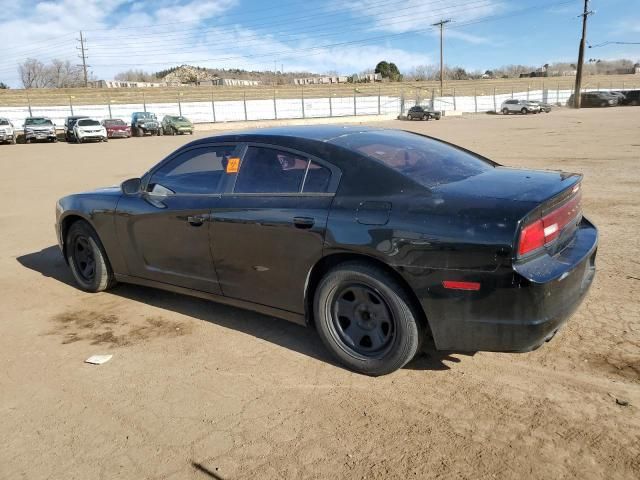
[269, 230]
[165, 231]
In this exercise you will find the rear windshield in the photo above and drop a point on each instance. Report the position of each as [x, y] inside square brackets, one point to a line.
[425, 160]
[37, 121]
[4, 122]
[88, 123]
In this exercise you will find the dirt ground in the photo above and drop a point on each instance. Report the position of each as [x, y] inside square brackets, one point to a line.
[199, 390]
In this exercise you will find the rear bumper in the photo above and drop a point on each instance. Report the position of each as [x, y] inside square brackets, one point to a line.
[516, 309]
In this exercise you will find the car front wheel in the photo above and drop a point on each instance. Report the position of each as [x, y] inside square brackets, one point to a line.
[505, 111]
[87, 258]
[523, 111]
[366, 319]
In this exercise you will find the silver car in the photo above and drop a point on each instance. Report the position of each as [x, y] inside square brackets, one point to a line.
[519, 106]
[7, 131]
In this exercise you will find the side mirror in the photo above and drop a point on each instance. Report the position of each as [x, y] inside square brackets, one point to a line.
[131, 186]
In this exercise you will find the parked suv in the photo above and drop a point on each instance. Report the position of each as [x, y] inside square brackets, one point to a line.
[422, 113]
[519, 106]
[87, 129]
[544, 107]
[143, 123]
[69, 123]
[595, 99]
[39, 128]
[174, 125]
[7, 132]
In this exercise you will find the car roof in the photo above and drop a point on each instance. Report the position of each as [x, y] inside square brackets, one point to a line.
[320, 133]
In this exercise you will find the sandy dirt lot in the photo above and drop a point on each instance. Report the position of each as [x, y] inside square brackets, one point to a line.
[199, 390]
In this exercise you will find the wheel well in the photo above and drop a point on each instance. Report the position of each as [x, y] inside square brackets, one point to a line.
[331, 261]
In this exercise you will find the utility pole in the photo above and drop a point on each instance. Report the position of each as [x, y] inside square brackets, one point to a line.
[83, 56]
[441, 23]
[577, 97]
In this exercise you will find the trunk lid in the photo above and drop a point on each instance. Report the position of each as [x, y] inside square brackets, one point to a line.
[514, 184]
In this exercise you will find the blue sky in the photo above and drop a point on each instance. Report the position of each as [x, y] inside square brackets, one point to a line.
[345, 36]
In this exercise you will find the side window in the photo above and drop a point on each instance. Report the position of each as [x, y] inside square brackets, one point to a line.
[268, 170]
[317, 179]
[200, 170]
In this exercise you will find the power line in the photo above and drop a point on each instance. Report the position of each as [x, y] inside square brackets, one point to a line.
[259, 37]
[613, 43]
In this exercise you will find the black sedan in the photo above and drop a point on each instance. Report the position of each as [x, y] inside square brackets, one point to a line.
[377, 238]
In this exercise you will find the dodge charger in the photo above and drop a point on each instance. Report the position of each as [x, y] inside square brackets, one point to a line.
[376, 238]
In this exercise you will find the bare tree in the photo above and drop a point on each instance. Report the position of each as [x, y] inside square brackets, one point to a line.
[134, 75]
[62, 74]
[33, 74]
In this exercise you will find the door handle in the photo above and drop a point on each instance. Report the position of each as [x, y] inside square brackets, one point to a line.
[195, 220]
[303, 222]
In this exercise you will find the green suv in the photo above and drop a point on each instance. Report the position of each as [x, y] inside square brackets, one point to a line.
[176, 125]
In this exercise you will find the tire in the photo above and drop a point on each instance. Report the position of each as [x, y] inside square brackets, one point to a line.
[409, 117]
[173, 131]
[387, 332]
[14, 140]
[87, 258]
[425, 117]
[634, 103]
[523, 111]
[603, 104]
[505, 111]
[78, 140]
[27, 140]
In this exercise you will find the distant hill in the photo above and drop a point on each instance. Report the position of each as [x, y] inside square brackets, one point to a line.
[192, 74]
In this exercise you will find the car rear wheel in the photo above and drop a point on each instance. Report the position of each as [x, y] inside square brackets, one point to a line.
[505, 111]
[87, 258]
[603, 104]
[425, 117]
[409, 117]
[366, 319]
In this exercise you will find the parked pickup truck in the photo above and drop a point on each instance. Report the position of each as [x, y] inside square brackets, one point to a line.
[39, 128]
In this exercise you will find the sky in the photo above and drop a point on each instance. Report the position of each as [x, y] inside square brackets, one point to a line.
[344, 36]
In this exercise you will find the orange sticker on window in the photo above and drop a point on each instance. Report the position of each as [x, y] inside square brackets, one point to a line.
[233, 165]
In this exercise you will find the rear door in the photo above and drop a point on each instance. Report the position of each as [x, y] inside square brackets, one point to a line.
[164, 231]
[268, 229]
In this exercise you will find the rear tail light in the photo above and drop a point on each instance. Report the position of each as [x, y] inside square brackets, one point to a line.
[545, 230]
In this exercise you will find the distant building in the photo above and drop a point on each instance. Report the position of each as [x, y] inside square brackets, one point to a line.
[319, 80]
[367, 77]
[569, 73]
[125, 84]
[636, 69]
[230, 82]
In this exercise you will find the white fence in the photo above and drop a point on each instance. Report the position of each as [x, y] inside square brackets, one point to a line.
[283, 108]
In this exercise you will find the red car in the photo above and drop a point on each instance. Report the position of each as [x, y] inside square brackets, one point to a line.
[116, 128]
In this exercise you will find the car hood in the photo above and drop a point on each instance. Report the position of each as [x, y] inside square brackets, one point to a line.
[39, 127]
[117, 127]
[504, 183]
[180, 124]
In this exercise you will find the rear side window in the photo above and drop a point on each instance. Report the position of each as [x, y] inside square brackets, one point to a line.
[196, 171]
[425, 160]
[268, 170]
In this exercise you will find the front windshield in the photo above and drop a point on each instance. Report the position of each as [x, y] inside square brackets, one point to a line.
[147, 115]
[88, 123]
[425, 160]
[37, 121]
[4, 122]
[181, 119]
